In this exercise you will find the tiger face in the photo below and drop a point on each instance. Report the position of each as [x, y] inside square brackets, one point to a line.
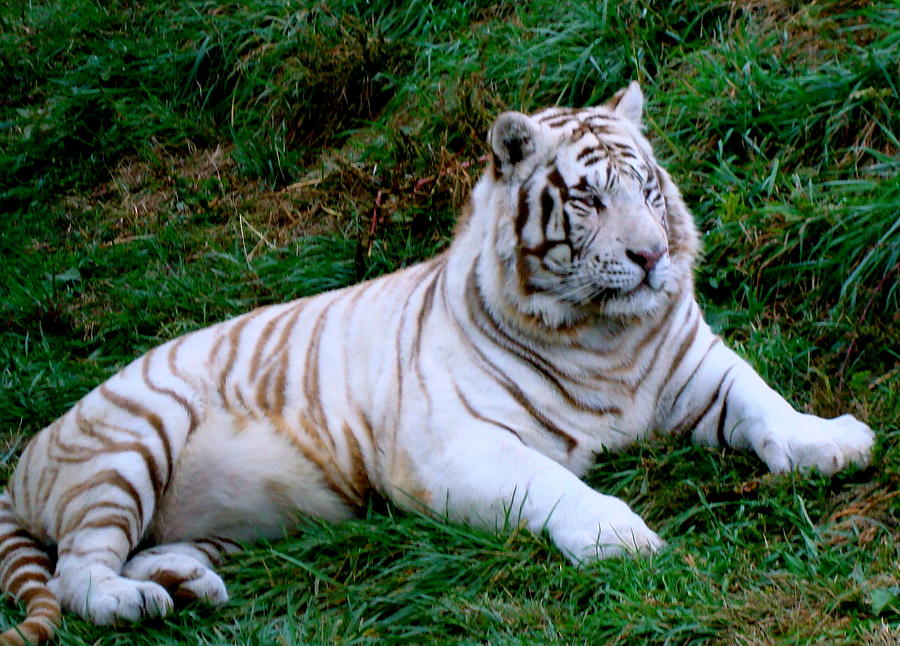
[590, 217]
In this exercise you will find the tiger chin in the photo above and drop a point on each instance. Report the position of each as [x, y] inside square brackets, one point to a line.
[561, 322]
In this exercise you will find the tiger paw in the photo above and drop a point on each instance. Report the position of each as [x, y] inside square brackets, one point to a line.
[183, 576]
[810, 442]
[107, 599]
[614, 534]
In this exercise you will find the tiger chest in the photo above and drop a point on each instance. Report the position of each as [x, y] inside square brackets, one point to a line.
[570, 421]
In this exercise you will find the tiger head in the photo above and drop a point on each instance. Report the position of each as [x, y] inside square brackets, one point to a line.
[582, 221]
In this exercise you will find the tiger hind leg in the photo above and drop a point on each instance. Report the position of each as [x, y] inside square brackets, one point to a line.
[99, 521]
[91, 482]
[88, 579]
[184, 569]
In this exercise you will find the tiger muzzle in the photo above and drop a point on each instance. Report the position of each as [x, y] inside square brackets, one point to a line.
[654, 261]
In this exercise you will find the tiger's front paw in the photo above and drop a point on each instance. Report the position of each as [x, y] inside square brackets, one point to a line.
[810, 442]
[612, 534]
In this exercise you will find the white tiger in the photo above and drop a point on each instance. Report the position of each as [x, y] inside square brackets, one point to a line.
[561, 322]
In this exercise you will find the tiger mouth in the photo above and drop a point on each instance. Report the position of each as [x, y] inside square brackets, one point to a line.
[603, 295]
[606, 294]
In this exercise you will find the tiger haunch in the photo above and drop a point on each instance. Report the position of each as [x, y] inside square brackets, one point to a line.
[561, 322]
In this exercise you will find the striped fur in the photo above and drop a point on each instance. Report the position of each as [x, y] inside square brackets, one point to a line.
[560, 323]
[24, 574]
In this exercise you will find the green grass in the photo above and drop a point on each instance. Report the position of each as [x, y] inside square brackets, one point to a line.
[165, 166]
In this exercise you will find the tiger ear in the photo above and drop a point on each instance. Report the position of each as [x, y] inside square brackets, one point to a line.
[513, 139]
[628, 103]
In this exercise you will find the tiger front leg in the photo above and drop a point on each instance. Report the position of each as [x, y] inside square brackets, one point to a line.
[488, 478]
[730, 405]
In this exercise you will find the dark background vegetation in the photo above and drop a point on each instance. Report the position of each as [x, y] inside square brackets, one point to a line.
[166, 165]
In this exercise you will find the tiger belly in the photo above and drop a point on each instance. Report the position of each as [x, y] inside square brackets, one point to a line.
[241, 478]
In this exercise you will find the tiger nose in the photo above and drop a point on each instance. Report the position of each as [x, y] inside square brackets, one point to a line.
[646, 259]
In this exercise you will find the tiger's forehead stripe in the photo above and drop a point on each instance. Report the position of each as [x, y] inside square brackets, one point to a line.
[547, 206]
[555, 178]
[607, 145]
[523, 211]
[590, 151]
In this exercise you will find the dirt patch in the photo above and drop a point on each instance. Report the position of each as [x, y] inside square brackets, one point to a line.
[202, 185]
[861, 514]
[806, 28]
[784, 608]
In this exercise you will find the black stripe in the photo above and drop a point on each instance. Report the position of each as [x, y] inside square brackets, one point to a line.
[688, 341]
[522, 211]
[693, 374]
[492, 328]
[556, 180]
[560, 122]
[516, 393]
[109, 477]
[182, 401]
[720, 428]
[547, 205]
[138, 410]
[684, 424]
[471, 410]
